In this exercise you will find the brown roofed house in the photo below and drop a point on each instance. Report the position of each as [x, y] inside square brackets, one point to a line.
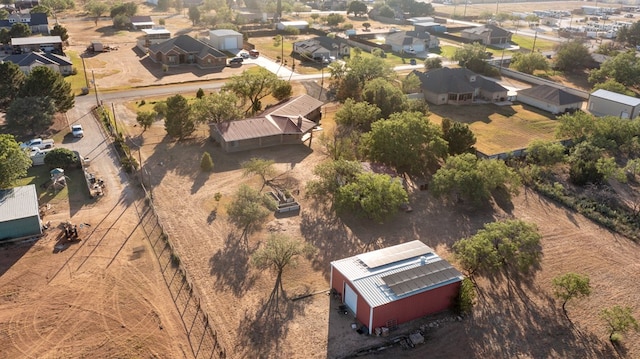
[184, 49]
[458, 86]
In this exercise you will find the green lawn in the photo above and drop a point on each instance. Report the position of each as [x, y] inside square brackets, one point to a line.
[75, 191]
[526, 43]
[78, 80]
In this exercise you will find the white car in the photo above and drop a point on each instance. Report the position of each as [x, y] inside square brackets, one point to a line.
[77, 131]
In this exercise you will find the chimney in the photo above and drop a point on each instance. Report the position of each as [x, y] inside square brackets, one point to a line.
[300, 122]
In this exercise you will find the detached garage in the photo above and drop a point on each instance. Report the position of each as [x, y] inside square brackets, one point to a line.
[225, 39]
[395, 285]
[607, 103]
[550, 99]
[19, 214]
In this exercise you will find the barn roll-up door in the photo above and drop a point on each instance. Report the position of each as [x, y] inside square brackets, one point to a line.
[350, 298]
[230, 43]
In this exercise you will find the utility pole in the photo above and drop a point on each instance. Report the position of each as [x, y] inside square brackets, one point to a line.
[95, 88]
[534, 41]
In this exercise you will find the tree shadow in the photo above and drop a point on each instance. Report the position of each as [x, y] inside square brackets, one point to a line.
[230, 266]
[199, 181]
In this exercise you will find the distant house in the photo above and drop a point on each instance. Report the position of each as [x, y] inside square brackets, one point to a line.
[184, 49]
[19, 213]
[153, 36]
[321, 47]
[37, 43]
[411, 41]
[607, 103]
[224, 39]
[290, 122]
[550, 99]
[28, 61]
[487, 35]
[37, 22]
[141, 22]
[300, 25]
[458, 86]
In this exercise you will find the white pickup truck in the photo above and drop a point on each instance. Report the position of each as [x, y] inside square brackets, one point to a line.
[37, 143]
[37, 155]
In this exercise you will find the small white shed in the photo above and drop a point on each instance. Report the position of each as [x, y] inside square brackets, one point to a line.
[300, 25]
[225, 39]
[607, 103]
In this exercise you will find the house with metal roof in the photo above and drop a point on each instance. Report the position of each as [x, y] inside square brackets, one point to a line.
[141, 22]
[550, 99]
[608, 103]
[487, 34]
[37, 22]
[184, 49]
[19, 213]
[30, 60]
[459, 86]
[290, 122]
[394, 285]
[37, 43]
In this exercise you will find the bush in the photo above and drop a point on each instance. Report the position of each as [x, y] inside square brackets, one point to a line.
[129, 164]
[206, 164]
[466, 297]
[160, 108]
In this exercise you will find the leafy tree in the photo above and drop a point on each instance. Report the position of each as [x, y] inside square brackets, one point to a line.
[629, 34]
[500, 246]
[252, 86]
[335, 19]
[58, 5]
[620, 320]
[545, 153]
[351, 77]
[366, 25]
[160, 108]
[411, 84]
[59, 30]
[314, 17]
[466, 297]
[178, 5]
[248, 210]
[200, 93]
[572, 56]
[471, 56]
[194, 14]
[459, 137]
[128, 9]
[261, 167]
[44, 82]
[388, 97]
[532, 19]
[146, 118]
[40, 9]
[406, 141]
[331, 175]
[121, 21]
[528, 63]
[583, 164]
[569, 286]
[282, 90]
[576, 126]
[614, 86]
[14, 162]
[291, 31]
[216, 107]
[386, 11]
[12, 80]
[357, 8]
[5, 37]
[358, 115]
[33, 114]
[179, 122]
[96, 9]
[60, 158]
[4, 14]
[623, 68]
[19, 30]
[206, 163]
[376, 196]
[432, 63]
[467, 177]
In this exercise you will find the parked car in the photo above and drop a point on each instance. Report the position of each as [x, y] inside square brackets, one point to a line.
[38, 143]
[244, 55]
[254, 53]
[412, 61]
[77, 131]
[236, 60]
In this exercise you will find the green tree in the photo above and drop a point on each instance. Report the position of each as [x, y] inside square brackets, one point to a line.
[261, 167]
[528, 63]
[33, 114]
[44, 82]
[252, 86]
[411, 84]
[623, 68]
[19, 30]
[59, 30]
[386, 11]
[471, 56]
[619, 320]
[282, 90]
[503, 245]
[194, 15]
[14, 162]
[334, 19]
[569, 286]
[146, 118]
[388, 97]
[5, 37]
[206, 163]
[545, 153]
[331, 175]
[432, 63]
[465, 177]
[577, 126]
[216, 107]
[614, 86]
[583, 161]
[406, 141]
[4, 14]
[532, 19]
[466, 297]
[248, 210]
[160, 108]
[358, 8]
[128, 9]
[200, 93]
[572, 56]
[12, 80]
[358, 115]
[121, 21]
[60, 158]
[366, 25]
[459, 137]
[58, 5]
[96, 9]
[178, 122]
[40, 9]
[376, 196]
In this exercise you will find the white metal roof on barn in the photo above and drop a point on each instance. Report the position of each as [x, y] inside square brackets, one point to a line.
[35, 40]
[408, 269]
[616, 97]
[18, 202]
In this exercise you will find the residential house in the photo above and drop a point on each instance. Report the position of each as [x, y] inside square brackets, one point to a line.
[411, 41]
[458, 86]
[607, 103]
[141, 22]
[37, 43]
[153, 36]
[225, 39]
[487, 35]
[184, 49]
[290, 122]
[322, 47]
[550, 99]
[37, 22]
[28, 61]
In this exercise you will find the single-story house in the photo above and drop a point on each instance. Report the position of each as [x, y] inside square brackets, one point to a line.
[224, 39]
[411, 41]
[550, 99]
[300, 25]
[395, 285]
[28, 61]
[37, 43]
[607, 103]
[38, 22]
[487, 34]
[458, 86]
[290, 122]
[141, 22]
[19, 213]
[321, 47]
[184, 49]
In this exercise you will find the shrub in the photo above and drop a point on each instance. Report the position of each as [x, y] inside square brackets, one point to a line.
[160, 108]
[206, 164]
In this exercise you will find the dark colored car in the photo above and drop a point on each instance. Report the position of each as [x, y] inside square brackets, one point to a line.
[236, 60]
[412, 61]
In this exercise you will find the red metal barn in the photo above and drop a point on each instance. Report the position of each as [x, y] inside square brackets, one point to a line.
[395, 285]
